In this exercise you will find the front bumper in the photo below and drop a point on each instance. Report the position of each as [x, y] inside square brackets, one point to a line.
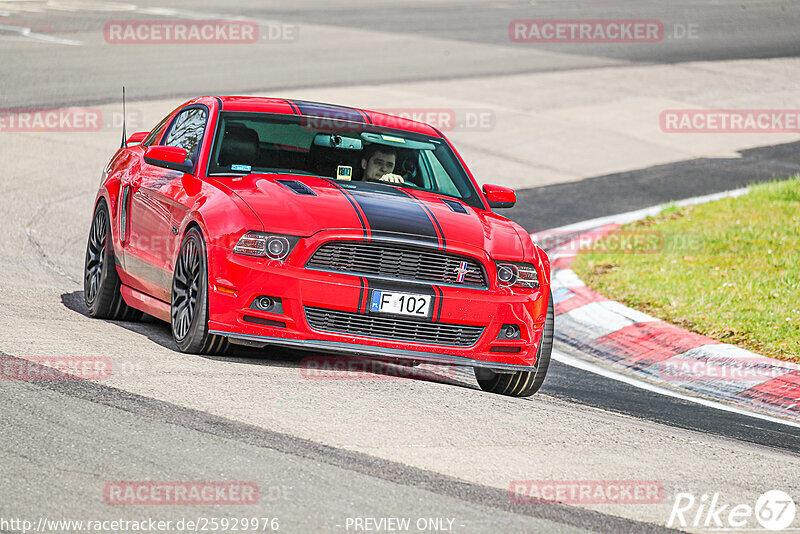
[235, 281]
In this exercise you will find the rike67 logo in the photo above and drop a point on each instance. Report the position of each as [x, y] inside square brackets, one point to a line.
[774, 511]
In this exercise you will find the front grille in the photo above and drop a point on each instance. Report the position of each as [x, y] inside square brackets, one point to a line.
[400, 329]
[397, 262]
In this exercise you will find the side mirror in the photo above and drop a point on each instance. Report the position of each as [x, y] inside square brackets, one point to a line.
[499, 196]
[138, 137]
[169, 157]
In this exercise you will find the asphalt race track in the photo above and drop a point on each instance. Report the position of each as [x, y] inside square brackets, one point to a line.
[326, 452]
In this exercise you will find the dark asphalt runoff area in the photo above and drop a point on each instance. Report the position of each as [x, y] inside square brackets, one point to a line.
[558, 205]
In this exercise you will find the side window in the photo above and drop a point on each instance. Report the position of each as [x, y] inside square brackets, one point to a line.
[187, 130]
[150, 139]
[440, 177]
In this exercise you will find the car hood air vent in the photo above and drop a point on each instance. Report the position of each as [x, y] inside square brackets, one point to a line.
[455, 206]
[298, 187]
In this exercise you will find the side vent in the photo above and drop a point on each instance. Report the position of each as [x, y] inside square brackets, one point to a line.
[298, 187]
[455, 206]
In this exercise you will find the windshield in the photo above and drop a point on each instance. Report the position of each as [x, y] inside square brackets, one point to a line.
[267, 143]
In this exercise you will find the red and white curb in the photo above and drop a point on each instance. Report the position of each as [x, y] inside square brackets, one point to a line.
[638, 344]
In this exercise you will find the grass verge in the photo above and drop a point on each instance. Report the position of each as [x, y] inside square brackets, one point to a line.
[729, 269]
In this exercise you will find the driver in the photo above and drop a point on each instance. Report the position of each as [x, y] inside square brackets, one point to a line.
[378, 163]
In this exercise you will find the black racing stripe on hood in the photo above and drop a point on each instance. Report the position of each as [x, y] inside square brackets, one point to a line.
[349, 196]
[431, 215]
[389, 211]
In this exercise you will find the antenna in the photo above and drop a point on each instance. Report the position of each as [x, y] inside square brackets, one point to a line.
[124, 116]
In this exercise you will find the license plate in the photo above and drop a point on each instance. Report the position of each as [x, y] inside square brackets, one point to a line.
[400, 303]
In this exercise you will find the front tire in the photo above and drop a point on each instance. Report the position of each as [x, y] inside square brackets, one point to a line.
[189, 307]
[101, 283]
[522, 383]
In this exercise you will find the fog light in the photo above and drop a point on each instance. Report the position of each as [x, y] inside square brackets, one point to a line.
[267, 304]
[264, 303]
[509, 331]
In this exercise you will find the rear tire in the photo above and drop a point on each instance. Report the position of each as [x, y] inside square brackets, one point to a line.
[189, 307]
[522, 383]
[101, 283]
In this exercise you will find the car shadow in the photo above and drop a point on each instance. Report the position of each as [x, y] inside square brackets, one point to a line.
[150, 327]
[312, 364]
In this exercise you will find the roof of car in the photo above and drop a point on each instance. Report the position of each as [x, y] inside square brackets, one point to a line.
[326, 111]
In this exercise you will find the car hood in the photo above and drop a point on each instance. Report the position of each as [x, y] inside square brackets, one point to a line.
[304, 205]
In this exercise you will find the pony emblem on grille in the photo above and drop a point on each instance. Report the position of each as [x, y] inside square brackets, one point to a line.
[461, 272]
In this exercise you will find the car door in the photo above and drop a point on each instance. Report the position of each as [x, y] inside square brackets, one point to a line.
[154, 209]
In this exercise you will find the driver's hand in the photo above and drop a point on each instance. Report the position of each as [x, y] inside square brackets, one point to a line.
[392, 178]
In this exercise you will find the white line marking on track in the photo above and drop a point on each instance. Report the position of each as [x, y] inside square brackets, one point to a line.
[30, 34]
[584, 365]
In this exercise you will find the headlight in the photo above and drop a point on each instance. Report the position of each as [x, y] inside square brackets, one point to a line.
[272, 246]
[516, 274]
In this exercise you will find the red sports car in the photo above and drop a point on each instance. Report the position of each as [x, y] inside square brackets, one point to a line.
[264, 221]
